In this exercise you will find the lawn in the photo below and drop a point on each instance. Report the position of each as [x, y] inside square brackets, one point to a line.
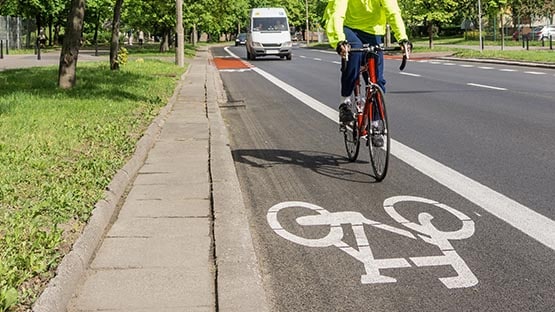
[462, 48]
[58, 151]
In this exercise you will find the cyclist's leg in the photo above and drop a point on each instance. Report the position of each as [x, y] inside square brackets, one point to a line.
[349, 76]
[350, 73]
[374, 40]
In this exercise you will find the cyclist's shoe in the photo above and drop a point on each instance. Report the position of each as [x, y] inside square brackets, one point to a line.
[377, 140]
[377, 135]
[345, 113]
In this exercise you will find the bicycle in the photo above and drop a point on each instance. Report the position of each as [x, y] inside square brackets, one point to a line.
[368, 105]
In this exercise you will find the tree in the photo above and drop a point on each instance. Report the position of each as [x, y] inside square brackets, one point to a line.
[114, 45]
[431, 13]
[156, 17]
[72, 42]
[98, 11]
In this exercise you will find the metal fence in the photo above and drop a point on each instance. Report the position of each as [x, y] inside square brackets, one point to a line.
[16, 32]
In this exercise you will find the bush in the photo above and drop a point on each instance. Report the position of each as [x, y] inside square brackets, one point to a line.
[122, 56]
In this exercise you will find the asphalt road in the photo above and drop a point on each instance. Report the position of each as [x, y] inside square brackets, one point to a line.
[462, 222]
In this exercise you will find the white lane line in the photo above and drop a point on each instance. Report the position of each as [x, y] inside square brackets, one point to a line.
[507, 70]
[486, 86]
[449, 64]
[534, 73]
[317, 59]
[517, 215]
[410, 74]
[467, 66]
[306, 99]
[485, 67]
[533, 224]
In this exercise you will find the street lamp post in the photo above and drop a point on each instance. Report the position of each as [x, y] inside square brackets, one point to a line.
[307, 32]
[480, 23]
[180, 49]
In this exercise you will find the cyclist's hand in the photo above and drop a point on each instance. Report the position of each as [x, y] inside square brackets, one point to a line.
[343, 48]
[406, 46]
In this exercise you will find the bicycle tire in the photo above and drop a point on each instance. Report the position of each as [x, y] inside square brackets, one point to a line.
[351, 132]
[379, 155]
[351, 135]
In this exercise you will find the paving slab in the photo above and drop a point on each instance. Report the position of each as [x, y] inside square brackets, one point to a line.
[153, 252]
[166, 208]
[150, 289]
[191, 228]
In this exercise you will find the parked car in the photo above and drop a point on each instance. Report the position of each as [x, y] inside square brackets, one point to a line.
[241, 39]
[546, 32]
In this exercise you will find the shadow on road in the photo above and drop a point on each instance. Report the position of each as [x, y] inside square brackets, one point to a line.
[330, 165]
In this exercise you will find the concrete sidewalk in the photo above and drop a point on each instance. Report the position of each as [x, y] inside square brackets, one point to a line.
[172, 233]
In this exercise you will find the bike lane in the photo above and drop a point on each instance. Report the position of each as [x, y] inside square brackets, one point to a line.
[331, 240]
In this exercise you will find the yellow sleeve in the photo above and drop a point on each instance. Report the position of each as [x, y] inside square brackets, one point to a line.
[334, 16]
[394, 19]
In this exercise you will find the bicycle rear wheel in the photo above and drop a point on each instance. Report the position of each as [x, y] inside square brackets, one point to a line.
[379, 141]
[351, 133]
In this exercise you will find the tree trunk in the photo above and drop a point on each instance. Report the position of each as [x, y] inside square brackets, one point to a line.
[72, 42]
[114, 45]
[431, 35]
[50, 32]
[165, 43]
[95, 38]
[502, 32]
[194, 34]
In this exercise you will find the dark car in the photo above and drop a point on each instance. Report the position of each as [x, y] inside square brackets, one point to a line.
[241, 39]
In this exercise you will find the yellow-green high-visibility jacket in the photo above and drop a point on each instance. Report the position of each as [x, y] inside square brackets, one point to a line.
[370, 16]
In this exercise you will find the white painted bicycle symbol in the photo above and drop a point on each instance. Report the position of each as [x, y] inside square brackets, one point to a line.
[363, 253]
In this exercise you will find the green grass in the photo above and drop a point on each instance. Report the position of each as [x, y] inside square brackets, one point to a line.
[539, 56]
[460, 47]
[58, 151]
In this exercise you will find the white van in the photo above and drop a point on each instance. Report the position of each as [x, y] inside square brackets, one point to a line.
[268, 33]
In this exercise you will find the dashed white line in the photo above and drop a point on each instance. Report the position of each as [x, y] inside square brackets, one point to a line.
[508, 70]
[486, 86]
[534, 73]
[410, 74]
[467, 66]
[485, 67]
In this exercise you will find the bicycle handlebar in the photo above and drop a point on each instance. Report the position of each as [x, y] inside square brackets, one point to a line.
[375, 48]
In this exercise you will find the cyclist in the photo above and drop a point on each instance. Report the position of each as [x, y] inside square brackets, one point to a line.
[354, 23]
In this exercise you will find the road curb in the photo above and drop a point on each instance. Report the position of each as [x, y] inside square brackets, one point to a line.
[60, 289]
[239, 281]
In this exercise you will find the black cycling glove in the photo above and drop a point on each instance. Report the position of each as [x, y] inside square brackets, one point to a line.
[340, 45]
[406, 42]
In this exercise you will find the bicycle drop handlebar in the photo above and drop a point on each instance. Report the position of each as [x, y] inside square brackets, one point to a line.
[376, 48]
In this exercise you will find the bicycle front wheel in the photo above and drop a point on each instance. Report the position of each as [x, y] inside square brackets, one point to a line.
[379, 141]
[351, 134]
